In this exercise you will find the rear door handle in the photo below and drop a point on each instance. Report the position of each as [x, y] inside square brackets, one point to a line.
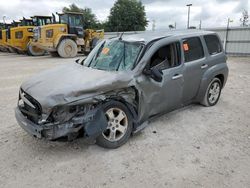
[204, 66]
[177, 76]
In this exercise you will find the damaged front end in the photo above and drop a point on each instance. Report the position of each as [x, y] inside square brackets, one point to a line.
[68, 121]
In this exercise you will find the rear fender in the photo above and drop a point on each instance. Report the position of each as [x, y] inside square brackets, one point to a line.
[211, 73]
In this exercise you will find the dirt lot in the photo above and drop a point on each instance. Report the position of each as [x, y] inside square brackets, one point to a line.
[192, 147]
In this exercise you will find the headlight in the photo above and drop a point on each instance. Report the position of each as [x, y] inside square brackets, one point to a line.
[30, 29]
[65, 113]
[49, 33]
[62, 29]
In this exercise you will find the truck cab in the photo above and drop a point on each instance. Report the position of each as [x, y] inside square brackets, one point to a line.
[67, 37]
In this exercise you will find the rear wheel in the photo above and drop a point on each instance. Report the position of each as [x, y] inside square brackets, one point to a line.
[213, 93]
[11, 50]
[67, 48]
[35, 51]
[119, 125]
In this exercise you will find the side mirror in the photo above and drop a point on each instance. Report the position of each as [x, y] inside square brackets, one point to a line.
[80, 62]
[77, 61]
[154, 73]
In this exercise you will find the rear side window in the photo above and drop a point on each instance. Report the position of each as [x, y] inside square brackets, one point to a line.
[1, 35]
[193, 49]
[213, 44]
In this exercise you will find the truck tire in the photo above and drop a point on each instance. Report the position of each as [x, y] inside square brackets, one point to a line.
[11, 50]
[67, 48]
[213, 92]
[120, 125]
[35, 51]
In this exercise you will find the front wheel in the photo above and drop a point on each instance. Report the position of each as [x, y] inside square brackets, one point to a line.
[213, 93]
[119, 125]
[67, 48]
[35, 51]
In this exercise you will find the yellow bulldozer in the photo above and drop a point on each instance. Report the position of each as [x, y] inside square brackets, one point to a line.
[4, 37]
[68, 37]
[19, 35]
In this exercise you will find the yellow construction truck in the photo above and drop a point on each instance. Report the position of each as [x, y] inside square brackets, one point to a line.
[19, 36]
[68, 37]
[2, 37]
[4, 42]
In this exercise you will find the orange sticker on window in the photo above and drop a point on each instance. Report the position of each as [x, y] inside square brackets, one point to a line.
[185, 47]
[105, 51]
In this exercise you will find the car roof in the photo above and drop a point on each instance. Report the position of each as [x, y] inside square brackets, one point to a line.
[149, 36]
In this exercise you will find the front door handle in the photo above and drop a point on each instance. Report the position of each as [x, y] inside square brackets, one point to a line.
[177, 76]
[204, 66]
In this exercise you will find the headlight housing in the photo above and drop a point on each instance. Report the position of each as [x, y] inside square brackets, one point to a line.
[63, 114]
[30, 29]
[62, 29]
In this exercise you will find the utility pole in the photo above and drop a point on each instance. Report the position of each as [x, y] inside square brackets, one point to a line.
[200, 25]
[188, 5]
[174, 25]
[226, 39]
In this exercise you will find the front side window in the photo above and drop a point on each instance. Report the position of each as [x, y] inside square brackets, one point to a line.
[213, 44]
[114, 55]
[1, 35]
[193, 49]
[166, 57]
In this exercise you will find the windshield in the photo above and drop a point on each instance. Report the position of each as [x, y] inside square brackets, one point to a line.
[41, 21]
[114, 55]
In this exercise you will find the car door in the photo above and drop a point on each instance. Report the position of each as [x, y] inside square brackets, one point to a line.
[194, 66]
[165, 95]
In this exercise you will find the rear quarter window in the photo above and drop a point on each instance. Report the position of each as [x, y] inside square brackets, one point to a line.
[213, 44]
[193, 49]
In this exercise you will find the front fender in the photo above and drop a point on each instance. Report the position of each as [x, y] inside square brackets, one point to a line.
[60, 37]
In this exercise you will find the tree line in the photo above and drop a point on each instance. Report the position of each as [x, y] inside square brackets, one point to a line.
[125, 15]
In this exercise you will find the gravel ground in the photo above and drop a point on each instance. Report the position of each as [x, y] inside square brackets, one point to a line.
[192, 147]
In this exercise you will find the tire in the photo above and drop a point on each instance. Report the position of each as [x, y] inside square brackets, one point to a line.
[67, 48]
[119, 128]
[54, 54]
[35, 51]
[213, 92]
[12, 50]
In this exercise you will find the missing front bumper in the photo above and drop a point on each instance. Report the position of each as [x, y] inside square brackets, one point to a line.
[93, 124]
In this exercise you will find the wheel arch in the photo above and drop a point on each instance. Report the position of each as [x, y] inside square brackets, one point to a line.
[219, 71]
[128, 97]
[59, 39]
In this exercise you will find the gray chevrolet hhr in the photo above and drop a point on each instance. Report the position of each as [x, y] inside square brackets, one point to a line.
[122, 84]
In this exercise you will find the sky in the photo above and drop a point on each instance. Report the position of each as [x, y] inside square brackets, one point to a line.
[212, 13]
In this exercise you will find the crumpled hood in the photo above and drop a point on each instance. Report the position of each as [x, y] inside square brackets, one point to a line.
[72, 82]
